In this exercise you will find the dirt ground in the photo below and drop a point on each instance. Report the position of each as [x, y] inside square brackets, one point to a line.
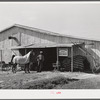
[8, 80]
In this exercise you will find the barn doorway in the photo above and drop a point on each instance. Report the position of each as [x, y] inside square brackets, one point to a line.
[50, 57]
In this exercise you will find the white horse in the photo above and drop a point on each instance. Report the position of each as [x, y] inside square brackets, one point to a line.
[20, 60]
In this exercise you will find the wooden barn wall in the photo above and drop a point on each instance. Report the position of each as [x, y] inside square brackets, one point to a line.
[6, 44]
[27, 37]
[31, 37]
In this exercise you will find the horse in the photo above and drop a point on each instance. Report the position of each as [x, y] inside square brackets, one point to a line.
[24, 60]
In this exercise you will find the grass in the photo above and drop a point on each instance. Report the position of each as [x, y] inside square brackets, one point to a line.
[47, 83]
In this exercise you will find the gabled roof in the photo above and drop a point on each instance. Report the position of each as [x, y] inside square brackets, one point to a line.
[33, 29]
[45, 32]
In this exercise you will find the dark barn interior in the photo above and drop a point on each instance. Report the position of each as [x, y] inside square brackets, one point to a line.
[50, 57]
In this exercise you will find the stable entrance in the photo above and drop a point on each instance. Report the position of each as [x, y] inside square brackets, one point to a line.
[50, 56]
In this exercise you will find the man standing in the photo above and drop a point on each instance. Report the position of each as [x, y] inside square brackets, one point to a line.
[40, 60]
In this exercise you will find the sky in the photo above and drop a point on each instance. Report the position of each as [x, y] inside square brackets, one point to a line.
[79, 19]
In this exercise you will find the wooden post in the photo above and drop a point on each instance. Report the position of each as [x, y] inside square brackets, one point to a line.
[72, 59]
[1, 55]
[1, 60]
[57, 62]
[19, 39]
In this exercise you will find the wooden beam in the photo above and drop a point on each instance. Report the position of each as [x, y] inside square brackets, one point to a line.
[72, 59]
[19, 37]
[1, 55]
[57, 62]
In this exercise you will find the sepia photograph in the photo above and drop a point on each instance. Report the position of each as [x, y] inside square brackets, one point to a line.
[49, 45]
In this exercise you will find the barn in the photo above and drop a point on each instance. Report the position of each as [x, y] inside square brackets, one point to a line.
[19, 40]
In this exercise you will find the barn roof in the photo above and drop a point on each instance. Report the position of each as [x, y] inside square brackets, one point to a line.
[33, 29]
[45, 32]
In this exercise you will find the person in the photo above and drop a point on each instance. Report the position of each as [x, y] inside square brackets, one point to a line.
[40, 60]
[31, 61]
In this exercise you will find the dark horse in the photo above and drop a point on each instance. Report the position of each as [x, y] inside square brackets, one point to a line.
[24, 60]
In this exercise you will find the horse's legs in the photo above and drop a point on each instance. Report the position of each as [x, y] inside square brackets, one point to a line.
[25, 68]
[29, 66]
[28, 71]
[14, 68]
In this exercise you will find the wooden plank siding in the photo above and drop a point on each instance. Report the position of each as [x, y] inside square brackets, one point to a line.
[27, 37]
[6, 44]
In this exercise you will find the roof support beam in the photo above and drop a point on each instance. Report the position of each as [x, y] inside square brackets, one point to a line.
[72, 59]
[57, 62]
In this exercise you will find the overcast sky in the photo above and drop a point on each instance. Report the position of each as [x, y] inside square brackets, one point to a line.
[75, 18]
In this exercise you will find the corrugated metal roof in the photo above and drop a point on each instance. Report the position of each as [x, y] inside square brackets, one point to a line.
[45, 45]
